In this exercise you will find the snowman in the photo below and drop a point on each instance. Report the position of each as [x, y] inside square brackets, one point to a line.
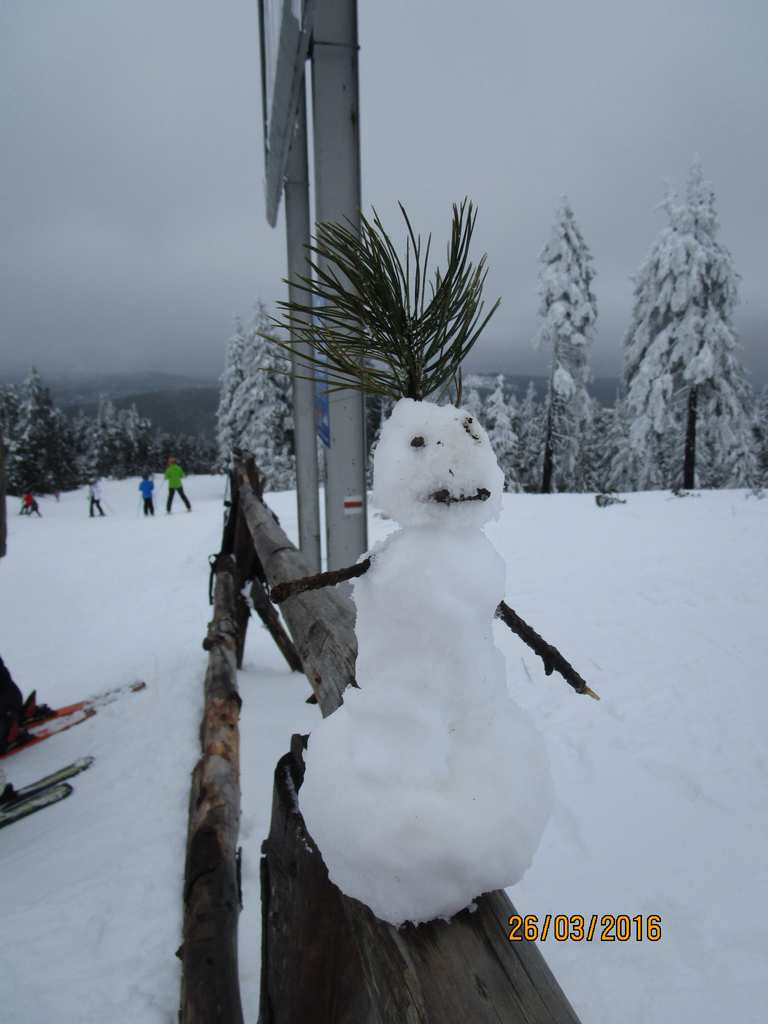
[429, 786]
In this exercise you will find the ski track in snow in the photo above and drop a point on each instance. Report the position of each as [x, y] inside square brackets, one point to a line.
[659, 788]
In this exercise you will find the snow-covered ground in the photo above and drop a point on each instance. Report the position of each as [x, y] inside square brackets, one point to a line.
[660, 803]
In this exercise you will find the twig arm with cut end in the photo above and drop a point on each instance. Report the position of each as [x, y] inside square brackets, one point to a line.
[287, 589]
[552, 658]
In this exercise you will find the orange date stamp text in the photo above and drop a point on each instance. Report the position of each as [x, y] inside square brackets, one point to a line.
[581, 928]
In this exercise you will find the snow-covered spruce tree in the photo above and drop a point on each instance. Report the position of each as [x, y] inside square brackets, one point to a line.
[32, 466]
[760, 431]
[473, 403]
[498, 416]
[261, 414]
[9, 414]
[230, 381]
[530, 438]
[682, 375]
[65, 471]
[82, 427]
[568, 311]
[600, 443]
[135, 433]
[106, 443]
[431, 747]
[619, 468]
[590, 449]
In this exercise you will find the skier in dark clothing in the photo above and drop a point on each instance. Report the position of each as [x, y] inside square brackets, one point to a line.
[11, 708]
[15, 714]
[147, 488]
[11, 713]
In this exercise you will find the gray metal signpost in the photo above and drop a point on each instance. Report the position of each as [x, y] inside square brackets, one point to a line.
[335, 108]
[288, 28]
[285, 30]
[297, 234]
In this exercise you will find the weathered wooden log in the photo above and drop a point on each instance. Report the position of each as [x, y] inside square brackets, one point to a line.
[326, 959]
[321, 623]
[249, 567]
[210, 988]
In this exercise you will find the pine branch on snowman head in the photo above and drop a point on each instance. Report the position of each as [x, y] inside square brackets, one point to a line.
[382, 324]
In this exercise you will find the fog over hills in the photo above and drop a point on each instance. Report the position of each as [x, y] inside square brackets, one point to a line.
[184, 404]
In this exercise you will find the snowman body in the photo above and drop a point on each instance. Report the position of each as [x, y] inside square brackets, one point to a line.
[429, 786]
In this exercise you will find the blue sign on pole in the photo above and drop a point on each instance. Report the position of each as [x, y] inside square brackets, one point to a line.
[322, 413]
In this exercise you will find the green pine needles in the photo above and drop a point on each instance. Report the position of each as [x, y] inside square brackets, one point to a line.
[382, 325]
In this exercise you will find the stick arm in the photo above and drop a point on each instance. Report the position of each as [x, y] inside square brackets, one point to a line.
[552, 658]
[289, 588]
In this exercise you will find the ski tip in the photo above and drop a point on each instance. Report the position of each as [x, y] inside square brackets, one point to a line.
[23, 808]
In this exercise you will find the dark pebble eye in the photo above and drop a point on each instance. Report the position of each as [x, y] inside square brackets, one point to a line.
[417, 442]
[467, 424]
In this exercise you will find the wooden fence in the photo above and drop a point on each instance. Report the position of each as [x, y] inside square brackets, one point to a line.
[325, 958]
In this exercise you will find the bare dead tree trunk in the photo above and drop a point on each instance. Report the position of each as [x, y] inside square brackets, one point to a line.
[326, 959]
[549, 455]
[210, 990]
[689, 461]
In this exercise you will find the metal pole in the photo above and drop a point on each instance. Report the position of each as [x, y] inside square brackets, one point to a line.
[337, 198]
[297, 236]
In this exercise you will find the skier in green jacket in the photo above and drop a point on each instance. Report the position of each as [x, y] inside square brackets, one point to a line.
[174, 475]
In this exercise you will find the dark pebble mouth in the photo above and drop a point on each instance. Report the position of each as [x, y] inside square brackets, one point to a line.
[444, 497]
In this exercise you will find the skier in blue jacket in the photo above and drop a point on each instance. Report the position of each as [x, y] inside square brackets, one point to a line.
[147, 488]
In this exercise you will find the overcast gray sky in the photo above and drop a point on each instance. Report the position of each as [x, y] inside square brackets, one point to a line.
[131, 177]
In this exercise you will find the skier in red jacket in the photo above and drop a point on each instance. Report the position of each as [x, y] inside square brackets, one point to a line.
[29, 505]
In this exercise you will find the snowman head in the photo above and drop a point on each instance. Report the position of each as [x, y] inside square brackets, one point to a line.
[434, 465]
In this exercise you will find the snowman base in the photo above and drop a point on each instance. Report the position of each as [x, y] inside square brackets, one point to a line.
[327, 959]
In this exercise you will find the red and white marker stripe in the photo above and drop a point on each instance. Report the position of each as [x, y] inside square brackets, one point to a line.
[353, 505]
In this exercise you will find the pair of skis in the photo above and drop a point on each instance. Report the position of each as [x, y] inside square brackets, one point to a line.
[53, 788]
[46, 791]
[60, 719]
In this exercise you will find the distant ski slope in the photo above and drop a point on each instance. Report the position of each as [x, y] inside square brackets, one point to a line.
[660, 604]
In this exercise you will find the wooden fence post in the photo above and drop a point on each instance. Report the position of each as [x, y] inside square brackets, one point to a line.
[321, 623]
[210, 989]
